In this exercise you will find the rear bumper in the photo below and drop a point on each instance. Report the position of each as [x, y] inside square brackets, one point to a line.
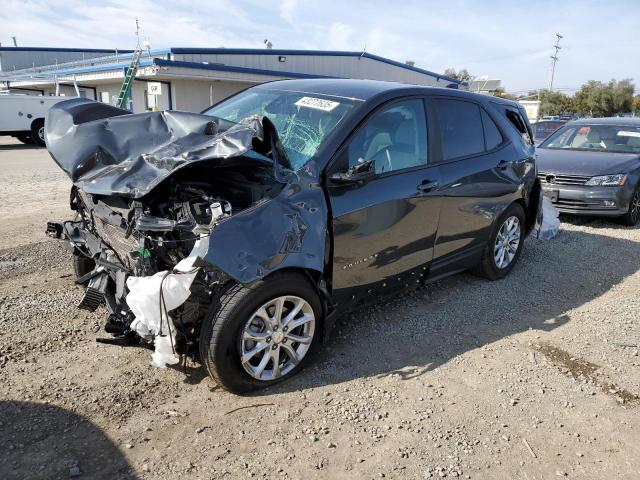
[592, 201]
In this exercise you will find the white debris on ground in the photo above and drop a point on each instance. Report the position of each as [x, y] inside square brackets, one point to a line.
[550, 225]
[151, 308]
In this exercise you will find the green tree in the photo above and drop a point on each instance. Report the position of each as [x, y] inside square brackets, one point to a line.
[599, 99]
[463, 75]
[553, 103]
[636, 103]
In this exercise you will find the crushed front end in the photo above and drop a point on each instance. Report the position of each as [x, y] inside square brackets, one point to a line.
[116, 241]
[149, 191]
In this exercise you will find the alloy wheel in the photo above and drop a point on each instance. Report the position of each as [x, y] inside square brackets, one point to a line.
[507, 242]
[277, 337]
[41, 133]
[635, 207]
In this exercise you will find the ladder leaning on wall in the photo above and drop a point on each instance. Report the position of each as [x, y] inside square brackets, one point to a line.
[129, 75]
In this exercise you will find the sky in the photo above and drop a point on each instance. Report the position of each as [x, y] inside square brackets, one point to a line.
[507, 40]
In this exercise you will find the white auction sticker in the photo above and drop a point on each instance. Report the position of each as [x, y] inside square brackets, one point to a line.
[624, 133]
[317, 103]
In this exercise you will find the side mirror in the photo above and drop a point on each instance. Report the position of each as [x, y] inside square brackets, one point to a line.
[363, 170]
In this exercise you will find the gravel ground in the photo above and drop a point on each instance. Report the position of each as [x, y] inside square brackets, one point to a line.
[533, 377]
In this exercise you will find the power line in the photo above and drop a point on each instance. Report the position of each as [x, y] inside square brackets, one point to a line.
[554, 60]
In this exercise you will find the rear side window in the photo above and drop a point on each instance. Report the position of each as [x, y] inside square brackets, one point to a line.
[519, 124]
[492, 136]
[461, 128]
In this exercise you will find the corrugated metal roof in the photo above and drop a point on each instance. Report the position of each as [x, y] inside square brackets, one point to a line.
[318, 53]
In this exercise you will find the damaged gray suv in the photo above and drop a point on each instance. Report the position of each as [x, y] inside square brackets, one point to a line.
[236, 236]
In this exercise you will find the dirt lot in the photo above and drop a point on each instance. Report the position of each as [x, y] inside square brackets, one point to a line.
[532, 377]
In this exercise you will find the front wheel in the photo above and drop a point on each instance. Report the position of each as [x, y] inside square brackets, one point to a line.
[261, 334]
[632, 216]
[504, 246]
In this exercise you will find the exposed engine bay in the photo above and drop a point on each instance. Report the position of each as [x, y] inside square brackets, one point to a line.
[117, 238]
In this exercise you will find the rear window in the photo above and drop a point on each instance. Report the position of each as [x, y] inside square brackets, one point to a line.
[461, 128]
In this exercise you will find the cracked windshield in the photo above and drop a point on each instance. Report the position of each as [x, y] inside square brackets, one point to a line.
[303, 121]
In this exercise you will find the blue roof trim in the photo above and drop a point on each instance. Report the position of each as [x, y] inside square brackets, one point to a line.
[320, 53]
[227, 68]
[262, 51]
[54, 49]
[89, 69]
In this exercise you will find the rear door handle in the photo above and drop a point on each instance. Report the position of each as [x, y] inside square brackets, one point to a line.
[427, 186]
[502, 165]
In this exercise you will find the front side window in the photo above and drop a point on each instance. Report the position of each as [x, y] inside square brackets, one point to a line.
[394, 138]
[303, 120]
[601, 138]
[461, 128]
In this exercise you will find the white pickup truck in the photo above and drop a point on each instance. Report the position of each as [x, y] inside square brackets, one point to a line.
[22, 116]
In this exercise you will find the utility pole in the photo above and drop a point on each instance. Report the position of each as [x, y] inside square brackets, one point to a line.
[554, 59]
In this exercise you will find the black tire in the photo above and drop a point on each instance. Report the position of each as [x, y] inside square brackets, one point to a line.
[25, 138]
[221, 332]
[37, 132]
[632, 217]
[82, 265]
[488, 267]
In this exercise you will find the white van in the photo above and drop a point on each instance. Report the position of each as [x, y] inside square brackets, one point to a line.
[22, 116]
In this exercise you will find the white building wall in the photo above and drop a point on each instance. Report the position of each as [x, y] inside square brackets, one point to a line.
[111, 91]
[196, 95]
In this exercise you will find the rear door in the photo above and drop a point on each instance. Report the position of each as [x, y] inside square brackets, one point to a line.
[477, 180]
[385, 227]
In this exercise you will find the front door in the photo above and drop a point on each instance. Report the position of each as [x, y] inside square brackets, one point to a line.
[385, 226]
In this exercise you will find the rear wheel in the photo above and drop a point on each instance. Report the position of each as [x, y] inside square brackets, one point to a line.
[504, 246]
[261, 334]
[37, 132]
[632, 216]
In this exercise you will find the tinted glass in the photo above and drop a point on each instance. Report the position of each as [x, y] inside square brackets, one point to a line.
[492, 136]
[302, 120]
[602, 138]
[460, 128]
[395, 138]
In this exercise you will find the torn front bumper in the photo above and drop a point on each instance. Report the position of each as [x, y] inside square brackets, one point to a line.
[98, 288]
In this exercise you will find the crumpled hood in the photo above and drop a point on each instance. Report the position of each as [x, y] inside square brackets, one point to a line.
[109, 151]
[574, 162]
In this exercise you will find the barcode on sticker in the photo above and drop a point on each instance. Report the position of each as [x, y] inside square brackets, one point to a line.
[625, 133]
[317, 103]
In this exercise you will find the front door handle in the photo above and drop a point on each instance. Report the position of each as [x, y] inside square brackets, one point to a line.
[427, 186]
[502, 165]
